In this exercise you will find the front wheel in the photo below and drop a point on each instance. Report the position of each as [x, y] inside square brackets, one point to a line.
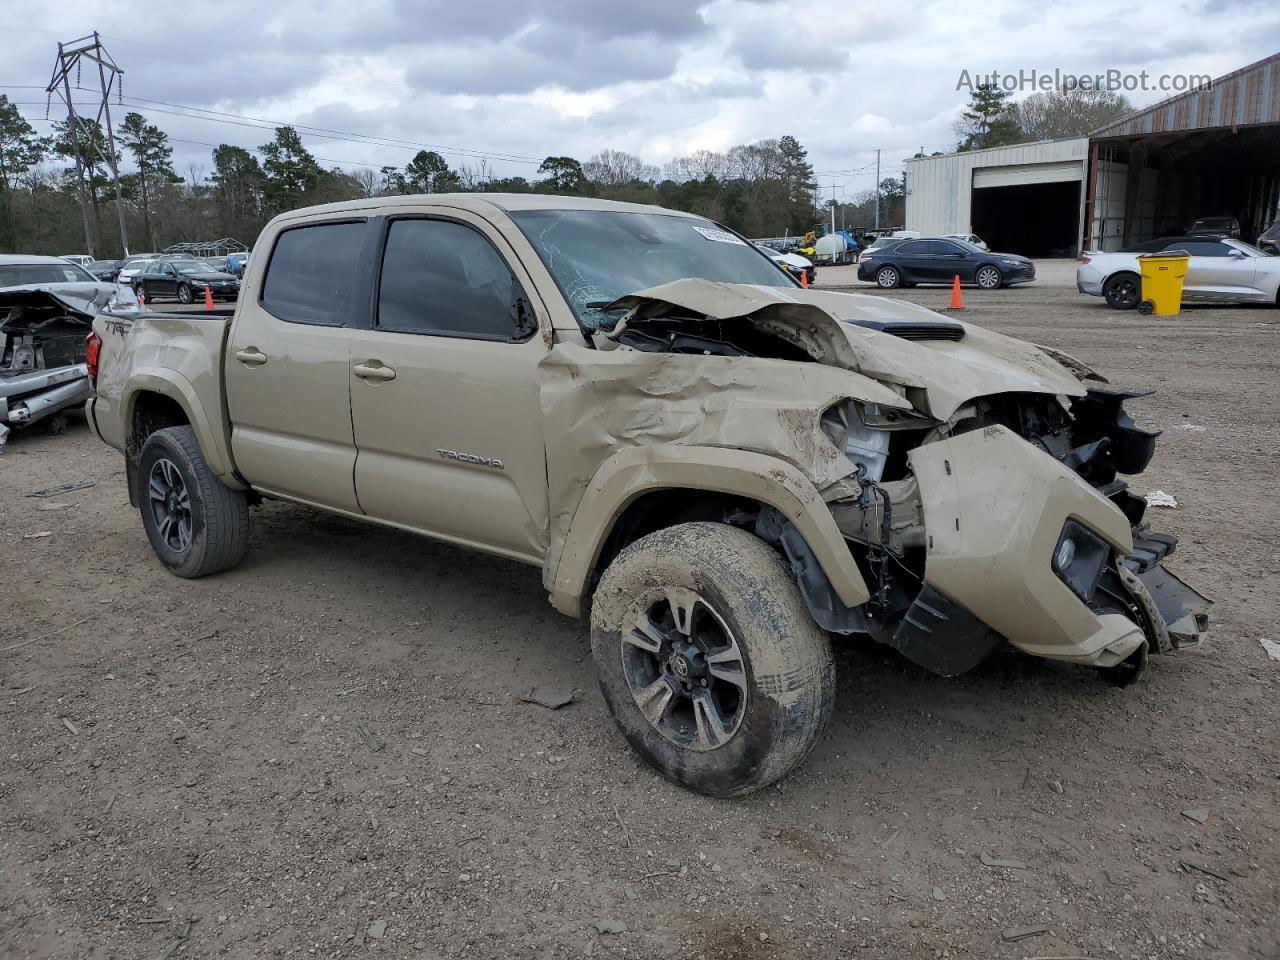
[988, 277]
[709, 660]
[196, 524]
[184, 293]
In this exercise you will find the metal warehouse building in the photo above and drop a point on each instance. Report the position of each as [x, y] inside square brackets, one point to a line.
[1210, 152]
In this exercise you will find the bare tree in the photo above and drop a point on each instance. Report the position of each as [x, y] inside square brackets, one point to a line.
[368, 180]
[616, 168]
[1058, 114]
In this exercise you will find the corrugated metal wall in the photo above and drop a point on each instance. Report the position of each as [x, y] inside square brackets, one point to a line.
[1251, 95]
[940, 189]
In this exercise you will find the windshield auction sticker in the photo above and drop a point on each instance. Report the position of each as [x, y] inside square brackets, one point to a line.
[719, 236]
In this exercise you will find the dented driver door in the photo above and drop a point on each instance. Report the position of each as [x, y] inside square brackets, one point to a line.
[444, 390]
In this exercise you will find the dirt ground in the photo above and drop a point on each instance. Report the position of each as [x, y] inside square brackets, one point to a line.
[323, 754]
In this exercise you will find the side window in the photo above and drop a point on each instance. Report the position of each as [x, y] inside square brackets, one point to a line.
[926, 248]
[912, 248]
[947, 249]
[312, 274]
[1201, 248]
[444, 278]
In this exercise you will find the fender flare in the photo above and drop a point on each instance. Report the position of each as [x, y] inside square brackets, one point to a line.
[172, 384]
[627, 475]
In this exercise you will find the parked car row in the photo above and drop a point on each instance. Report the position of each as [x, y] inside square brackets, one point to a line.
[185, 280]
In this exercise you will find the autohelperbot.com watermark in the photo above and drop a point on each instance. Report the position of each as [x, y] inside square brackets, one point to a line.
[1034, 80]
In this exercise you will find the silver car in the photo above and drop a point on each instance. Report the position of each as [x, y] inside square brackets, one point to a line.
[1221, 270]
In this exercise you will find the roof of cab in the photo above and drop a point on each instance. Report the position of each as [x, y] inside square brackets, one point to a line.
[480, 202]
[31, 258]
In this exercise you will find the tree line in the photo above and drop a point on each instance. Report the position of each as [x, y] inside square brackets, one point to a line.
[993, 119]
[765, 188]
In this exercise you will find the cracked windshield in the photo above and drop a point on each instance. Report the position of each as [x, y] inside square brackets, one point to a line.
[597, 256]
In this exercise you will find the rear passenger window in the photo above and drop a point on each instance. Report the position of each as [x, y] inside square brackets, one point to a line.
[1200, 248]
[444, 278]
[313, 273]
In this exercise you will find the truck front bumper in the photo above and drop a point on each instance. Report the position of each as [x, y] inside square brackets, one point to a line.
[995, 510]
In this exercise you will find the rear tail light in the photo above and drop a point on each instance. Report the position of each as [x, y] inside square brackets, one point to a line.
[93, 346]
[1084, 260]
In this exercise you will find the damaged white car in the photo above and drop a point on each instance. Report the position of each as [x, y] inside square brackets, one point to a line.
[44, 350]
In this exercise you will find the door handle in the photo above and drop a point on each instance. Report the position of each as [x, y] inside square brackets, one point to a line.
[373, 371]
[250, 357]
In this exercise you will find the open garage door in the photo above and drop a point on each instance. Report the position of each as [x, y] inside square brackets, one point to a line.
[1032, 219]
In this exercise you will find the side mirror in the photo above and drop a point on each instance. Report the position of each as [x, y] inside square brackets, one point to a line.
[1237, 255]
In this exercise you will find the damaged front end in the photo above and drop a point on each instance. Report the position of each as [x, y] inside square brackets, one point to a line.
[981, 493]
[43, 351]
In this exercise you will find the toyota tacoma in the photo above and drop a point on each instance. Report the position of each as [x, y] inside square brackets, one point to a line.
[718, 468]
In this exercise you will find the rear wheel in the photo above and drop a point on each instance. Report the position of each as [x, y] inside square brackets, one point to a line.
[1123, 291]
[887, 277]
[196, 524]
[988, 277]
[709, 660]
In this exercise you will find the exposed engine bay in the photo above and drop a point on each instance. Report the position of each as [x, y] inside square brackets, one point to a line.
[43, 352]
[880, 508]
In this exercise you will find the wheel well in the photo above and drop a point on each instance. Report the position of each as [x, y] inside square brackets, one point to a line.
[659, 509]
[1118, 274]
[151, 412]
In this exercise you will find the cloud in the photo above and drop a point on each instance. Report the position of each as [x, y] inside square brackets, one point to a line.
[658, 78]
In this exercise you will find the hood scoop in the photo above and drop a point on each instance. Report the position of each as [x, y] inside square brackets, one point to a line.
[913, 329]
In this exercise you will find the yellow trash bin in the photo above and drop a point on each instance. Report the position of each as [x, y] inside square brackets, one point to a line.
[1162, 275]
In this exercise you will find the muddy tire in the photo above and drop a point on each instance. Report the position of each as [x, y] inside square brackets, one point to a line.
[709, 660]
[196, 524]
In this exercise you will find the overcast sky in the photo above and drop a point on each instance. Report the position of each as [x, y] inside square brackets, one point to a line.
[658, 78]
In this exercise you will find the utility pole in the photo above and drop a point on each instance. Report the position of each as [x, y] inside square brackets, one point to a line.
[110, 77]
[833, 187]
[877, 189]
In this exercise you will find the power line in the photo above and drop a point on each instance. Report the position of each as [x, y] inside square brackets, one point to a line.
[345, 134]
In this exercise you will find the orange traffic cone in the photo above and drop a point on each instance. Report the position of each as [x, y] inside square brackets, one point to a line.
[957, 301]
[142, 298]
[208, 296]
[804, 279]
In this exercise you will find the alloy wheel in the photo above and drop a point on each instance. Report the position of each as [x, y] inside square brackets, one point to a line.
[686, 671]
[887, 277]
[170, 505]
[988, 278]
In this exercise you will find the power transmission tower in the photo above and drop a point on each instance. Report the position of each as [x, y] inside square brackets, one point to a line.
[110, 76]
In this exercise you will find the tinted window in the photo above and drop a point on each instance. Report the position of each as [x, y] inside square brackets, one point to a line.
[313, 273]
[1199, 248]
[924, 248]
[444, 278]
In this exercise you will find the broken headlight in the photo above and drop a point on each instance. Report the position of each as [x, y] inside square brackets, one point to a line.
[1078, 559]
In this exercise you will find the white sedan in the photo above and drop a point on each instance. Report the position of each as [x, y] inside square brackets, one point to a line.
[1221, 270]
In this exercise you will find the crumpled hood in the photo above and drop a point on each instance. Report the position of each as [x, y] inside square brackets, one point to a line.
[826, 325]
[85, 299]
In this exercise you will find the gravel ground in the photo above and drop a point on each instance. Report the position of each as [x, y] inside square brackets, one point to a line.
[323, 753]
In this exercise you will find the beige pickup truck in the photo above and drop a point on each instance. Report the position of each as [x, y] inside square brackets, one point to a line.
[723, 470]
